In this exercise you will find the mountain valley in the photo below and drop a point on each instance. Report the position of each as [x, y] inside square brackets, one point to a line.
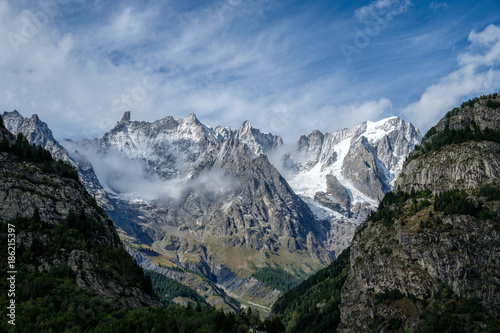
[210, 200]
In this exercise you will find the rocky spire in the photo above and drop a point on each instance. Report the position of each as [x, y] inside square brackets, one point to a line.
[126, 117]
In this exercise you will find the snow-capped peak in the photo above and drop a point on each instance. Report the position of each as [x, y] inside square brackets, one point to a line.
[365, 160]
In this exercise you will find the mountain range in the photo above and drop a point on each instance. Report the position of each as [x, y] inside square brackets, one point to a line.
[238, 206]
[241, 219]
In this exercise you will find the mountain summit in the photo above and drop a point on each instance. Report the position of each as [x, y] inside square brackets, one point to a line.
[343, 175]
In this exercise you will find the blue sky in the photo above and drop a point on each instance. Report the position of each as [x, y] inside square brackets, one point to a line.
[287, 66]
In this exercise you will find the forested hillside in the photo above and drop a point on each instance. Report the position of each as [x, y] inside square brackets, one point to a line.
[312, 306]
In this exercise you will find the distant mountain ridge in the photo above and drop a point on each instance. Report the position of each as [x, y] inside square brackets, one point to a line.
[214, 204]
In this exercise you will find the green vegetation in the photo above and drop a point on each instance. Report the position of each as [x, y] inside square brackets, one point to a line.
[313, 306]
[489, 191]
[389, 296]
[446, 312]
[434, 140]
[22, 151]
[492, 104]
[169, 289]
[457, 202]
[475, 100]
[80, 232]
[52, 302]
[277, 278]
[391, 206]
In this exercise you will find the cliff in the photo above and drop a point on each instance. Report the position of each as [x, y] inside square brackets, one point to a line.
[428, 259]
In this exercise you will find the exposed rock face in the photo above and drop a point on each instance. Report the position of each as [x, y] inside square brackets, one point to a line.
[26, 191]
[335, 189]
[361, 167]
[86, 268]
[126, 116]
[474, 164]
[37, 132]
[421, 248]
[417, 264]
[479, 112]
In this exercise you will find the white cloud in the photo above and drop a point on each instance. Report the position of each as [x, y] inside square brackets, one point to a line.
[487, 46]
[478, 73]
[355, 113]
[200, 63]
[130, 179]
[382, 10]
[128, 26]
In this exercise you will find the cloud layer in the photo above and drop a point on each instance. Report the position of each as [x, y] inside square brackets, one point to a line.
[130, 179]
[478, 73]
[81, 64]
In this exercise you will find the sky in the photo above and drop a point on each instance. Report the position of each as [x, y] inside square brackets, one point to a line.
[287, 66]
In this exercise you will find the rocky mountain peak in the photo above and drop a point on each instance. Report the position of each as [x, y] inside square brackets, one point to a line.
[190, 120]
[126, 117]
[453, 139]
[36, 131]
[365, 159]
[246, 126]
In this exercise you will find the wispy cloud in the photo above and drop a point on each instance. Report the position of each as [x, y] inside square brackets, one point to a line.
[382, 9]
[438, 5]
[478, 73]
[130, 179]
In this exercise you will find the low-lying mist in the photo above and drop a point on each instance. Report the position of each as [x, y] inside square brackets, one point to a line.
[130, 179]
